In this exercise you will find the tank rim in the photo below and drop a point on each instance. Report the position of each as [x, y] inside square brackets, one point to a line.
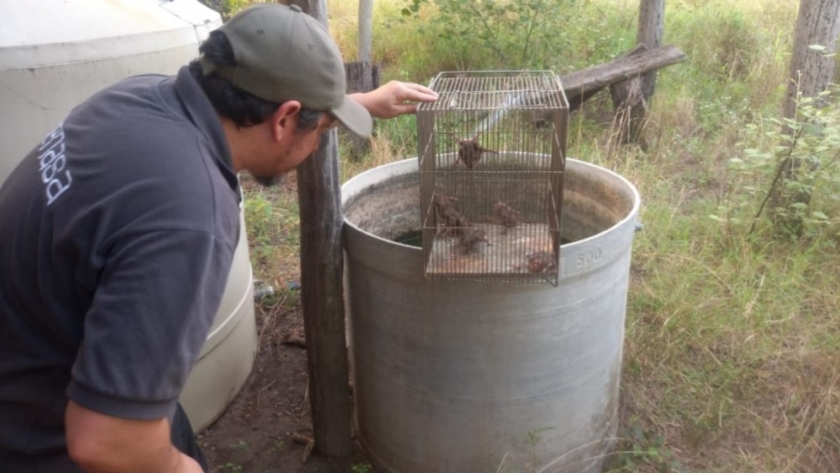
[345, 198]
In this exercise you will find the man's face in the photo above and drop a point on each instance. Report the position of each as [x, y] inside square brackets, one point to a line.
[291, 150]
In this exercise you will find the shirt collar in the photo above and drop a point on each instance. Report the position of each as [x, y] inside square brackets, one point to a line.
[204, 116]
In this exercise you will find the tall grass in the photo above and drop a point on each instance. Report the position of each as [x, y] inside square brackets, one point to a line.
[732, 353]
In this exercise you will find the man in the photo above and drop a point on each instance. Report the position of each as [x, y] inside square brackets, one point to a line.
[117, 233]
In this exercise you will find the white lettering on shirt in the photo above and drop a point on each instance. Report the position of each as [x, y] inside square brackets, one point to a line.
[51, 164]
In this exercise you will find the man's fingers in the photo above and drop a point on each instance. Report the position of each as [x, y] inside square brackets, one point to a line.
[406, 108]
[420, 92]
[398, 109]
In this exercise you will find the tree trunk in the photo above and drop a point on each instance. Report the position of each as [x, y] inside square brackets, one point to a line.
[651, 25]
[630, 104]
[361, 77]
[322, 296]
[631, 98]
[811, 71]
[365, 30]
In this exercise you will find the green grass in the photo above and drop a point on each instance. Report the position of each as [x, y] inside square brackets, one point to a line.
[271, 216]
[732, 350]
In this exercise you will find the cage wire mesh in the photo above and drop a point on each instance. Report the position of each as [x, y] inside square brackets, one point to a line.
[491, 154]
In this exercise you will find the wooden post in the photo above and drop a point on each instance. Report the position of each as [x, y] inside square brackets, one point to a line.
[365, 30]
[361, 77]
[322, 297]
[630, 104]
[811, 71]
[651, 25]
[631, 98]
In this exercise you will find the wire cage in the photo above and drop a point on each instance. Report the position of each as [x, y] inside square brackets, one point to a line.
[492, 153]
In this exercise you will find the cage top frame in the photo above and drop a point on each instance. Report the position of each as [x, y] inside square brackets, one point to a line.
[536, 89]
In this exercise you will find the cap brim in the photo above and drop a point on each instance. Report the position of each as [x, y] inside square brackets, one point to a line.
[355, 117]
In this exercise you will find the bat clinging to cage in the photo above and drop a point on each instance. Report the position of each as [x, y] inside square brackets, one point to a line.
[471, 237]
[470, 152]
[541, 262]
[449, 219]
[508, 217]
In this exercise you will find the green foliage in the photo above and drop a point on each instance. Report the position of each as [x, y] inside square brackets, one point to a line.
[361, 468]
[738, 54]
[274, 237]
[279, 445]
[239, 445]
[259, 212]
[731, 43]
[283, 299]
[401, 131]
[809, 144]
[532, 439]
[419, 39]
[516, 33]
[227, 8]
[641, 447]
[495, 33]
[230, 467]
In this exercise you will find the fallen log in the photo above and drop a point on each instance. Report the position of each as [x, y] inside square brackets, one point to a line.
[581, 85]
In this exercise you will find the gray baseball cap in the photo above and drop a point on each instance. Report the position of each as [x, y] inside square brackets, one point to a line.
[284, 54]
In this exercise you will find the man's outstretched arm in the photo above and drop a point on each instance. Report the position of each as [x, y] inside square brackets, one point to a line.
[394, 98]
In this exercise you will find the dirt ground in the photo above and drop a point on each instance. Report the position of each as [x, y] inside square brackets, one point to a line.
[254, 435]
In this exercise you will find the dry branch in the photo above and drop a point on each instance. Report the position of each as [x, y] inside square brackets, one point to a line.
[295, 339]
[308, 444]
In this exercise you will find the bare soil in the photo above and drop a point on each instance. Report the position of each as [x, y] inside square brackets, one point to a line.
[255, 434]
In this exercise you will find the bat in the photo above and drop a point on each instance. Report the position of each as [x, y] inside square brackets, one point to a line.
[448, 219]
[508, 217]
[541, 262]
[470, 152]
[471, 237]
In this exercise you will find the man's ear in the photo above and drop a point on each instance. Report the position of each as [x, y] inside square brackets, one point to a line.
[284, 120]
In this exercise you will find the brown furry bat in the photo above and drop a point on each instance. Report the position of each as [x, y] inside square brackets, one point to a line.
[470, 152]
[508, 217]
[541, 262]
[470, 238]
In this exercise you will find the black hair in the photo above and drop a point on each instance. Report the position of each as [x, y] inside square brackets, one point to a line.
[241, 107]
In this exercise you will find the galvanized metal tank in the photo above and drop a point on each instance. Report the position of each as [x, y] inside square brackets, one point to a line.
[54, 54]
[461, 377]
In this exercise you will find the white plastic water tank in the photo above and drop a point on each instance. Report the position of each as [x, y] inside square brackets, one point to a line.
[56, 53]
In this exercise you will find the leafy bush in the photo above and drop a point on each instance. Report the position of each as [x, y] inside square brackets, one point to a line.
[227, 8]
[807, 198]
[498, 33]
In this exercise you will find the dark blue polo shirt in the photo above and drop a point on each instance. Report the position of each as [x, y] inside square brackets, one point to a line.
[117, 234]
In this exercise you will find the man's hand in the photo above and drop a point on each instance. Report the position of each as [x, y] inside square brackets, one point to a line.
[394, 98]
[103, 444]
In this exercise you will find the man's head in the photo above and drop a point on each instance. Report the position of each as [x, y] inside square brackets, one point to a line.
[284, 54]
[275, 73]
